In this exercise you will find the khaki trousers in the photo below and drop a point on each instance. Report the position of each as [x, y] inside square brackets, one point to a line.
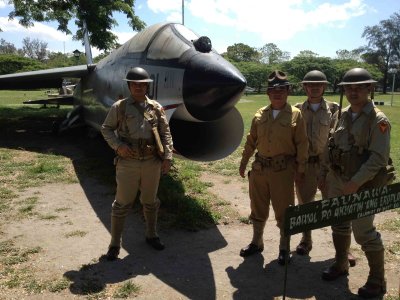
[364, 230]
[265, 187]
[132, 176]
[306, 191]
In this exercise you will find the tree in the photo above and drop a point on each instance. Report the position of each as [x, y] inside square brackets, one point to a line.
[355, 54]
[242, 52]
[255, 73]
[383, 48]
[98, 15]
[7, 48]
[10, 63]
[271, 54]
[307, 54]
[34, 48]
[307, 61]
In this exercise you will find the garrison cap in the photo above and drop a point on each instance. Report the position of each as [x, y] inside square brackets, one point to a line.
[357, 76]
[277, 78]
[138, 74]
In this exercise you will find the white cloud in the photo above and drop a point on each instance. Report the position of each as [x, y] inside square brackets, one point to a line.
[271, 20]
[123, 37]
[158, 6]
[3, 3]
[39, 30]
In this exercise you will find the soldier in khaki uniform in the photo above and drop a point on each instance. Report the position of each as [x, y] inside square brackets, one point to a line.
[129, 130]
[358, 149]
[279, 136]
[318, 115]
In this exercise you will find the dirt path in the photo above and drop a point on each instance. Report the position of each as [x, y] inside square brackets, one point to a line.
[195, 265]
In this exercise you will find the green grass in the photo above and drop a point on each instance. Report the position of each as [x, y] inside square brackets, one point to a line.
[17, 97]
[77, 233]
[126, 289]
[182, 193]
[251, 103]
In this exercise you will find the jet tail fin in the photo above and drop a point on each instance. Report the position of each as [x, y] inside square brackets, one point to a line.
[88, 49]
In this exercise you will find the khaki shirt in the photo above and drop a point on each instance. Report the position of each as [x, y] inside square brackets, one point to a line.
[284, 135]
[371, 132]
[318, 124]
[134, 126]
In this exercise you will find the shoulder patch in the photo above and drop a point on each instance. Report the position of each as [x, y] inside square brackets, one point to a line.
[383, 126]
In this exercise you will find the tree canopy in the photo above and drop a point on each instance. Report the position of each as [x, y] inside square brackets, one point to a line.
[242, 52]
[271, 54]
[10, 63]
[383, 48]
[98, 15]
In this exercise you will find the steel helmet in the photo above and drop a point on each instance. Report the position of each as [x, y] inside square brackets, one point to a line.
[138, 74]
[357, 76]
[315, 76]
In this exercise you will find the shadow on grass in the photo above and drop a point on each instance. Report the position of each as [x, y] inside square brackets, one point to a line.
[186, 257]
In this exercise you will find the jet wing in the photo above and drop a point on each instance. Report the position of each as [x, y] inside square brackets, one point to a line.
[50, 78]
[65, 100]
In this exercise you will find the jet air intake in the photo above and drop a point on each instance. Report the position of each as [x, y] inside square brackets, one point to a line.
[211, 86]
[208, 126]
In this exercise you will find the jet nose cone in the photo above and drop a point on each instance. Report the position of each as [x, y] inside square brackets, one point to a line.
[211, 86]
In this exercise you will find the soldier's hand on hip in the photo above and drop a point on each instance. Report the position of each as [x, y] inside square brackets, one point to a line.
[165, 166]
[350, 187]
[124, 151]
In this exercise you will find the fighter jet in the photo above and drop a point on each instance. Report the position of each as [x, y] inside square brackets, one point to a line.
[196, 86]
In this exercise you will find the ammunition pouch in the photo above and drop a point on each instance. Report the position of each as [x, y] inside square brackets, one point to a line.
[347, 163]
[276, 163]
[141, 148]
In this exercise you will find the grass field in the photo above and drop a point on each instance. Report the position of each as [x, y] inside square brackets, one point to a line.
[177, 188]
[251, 103]
[11, 101]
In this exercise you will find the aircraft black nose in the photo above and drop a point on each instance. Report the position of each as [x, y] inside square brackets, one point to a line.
[211, 86]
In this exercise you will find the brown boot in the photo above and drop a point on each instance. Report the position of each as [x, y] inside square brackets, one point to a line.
[341, 265]
[305, 245]
[258, 233]
[376, 283]
[117, 226]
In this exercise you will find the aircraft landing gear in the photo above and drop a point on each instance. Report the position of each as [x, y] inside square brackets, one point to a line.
[73, 120]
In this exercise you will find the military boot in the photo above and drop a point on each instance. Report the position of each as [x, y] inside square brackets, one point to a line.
[150, 215]
[305, 245]
[376, 283]
[341, 265]
[117, 226]
[257, 243]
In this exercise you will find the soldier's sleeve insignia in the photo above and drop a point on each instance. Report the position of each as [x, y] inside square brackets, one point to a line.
[383, 126]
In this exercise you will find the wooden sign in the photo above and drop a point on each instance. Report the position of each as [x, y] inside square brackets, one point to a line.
[336, 210]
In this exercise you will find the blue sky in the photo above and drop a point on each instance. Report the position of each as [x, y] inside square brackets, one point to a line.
[293, 25]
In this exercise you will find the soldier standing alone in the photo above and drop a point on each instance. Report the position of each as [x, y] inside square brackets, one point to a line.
[358, 150]
[139, 124]
[278, 134]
